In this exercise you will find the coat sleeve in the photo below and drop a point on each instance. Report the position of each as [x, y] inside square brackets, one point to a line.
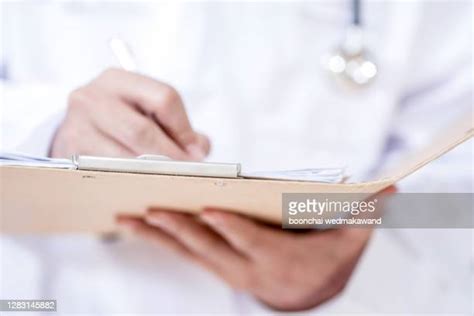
[437, 90]
[30, 115]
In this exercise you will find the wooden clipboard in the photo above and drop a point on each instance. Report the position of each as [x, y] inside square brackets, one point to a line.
[40, 200]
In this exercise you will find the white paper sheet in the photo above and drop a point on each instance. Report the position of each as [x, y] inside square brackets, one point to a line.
[20, 159]
[326, 175]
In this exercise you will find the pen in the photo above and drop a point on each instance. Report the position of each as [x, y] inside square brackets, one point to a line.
[123, 53]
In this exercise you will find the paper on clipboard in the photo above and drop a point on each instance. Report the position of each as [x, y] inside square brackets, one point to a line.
[151, 164]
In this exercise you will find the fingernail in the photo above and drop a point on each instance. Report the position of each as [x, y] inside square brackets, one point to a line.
[195, 151]
[210, 218]
[153, 220]
[126, 224]
[160, 221]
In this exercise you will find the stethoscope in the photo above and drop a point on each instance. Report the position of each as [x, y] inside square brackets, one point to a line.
[351, 62]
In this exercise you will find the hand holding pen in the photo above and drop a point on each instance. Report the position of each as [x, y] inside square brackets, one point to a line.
[124, 114]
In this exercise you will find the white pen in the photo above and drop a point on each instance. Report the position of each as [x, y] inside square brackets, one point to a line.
[123, 53]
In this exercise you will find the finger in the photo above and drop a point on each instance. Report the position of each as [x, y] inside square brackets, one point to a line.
[125, 125]
[158, 99]
[242, 233]
[229, 270]
[85, 139]
[386, 192]
[138, 226]
[196, 237]
[99, 144]
[203, 142]
[211, 251]
[382, 196]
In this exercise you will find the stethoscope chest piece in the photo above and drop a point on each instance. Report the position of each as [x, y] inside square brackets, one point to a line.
[351, 62]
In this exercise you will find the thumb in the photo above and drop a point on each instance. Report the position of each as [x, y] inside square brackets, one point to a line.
[199, 146]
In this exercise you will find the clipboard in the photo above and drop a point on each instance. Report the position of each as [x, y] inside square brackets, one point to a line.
[40, 200]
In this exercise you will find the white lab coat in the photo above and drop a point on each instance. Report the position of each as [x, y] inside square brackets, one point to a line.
[251, 77]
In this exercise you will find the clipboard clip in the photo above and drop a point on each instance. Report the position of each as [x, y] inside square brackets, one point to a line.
[157, 164]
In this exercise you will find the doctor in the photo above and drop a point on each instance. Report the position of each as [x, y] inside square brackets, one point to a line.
[228, 82]
[276, 266]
